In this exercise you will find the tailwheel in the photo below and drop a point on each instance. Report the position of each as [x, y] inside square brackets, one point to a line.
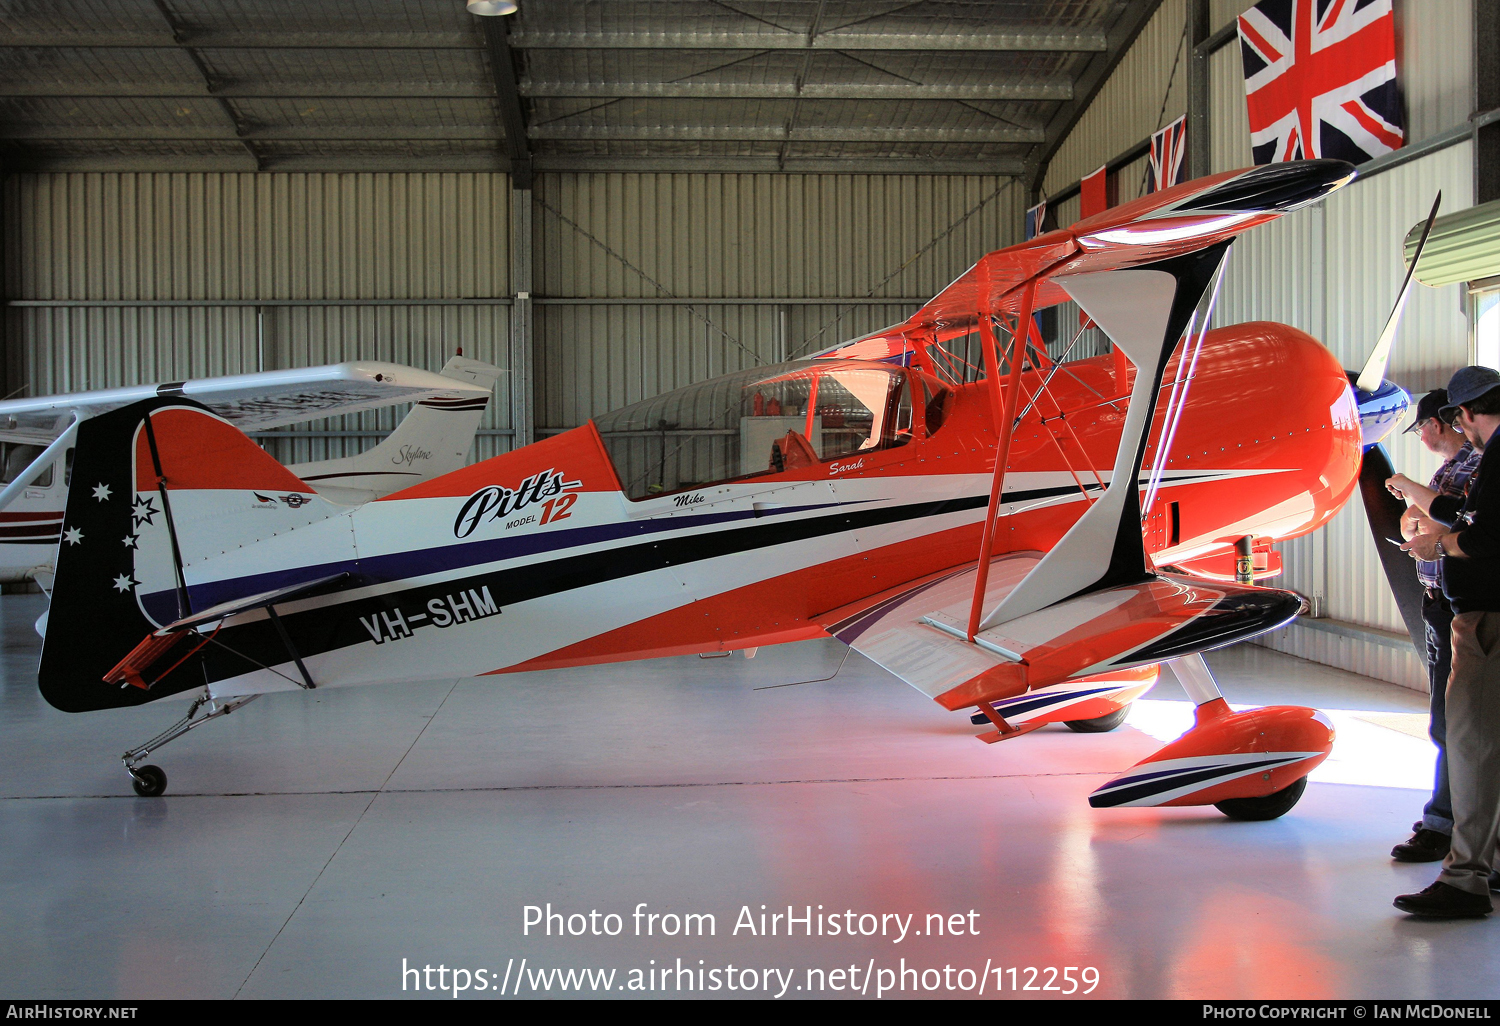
[1271, 806]
[149, 781]
[1101, 724]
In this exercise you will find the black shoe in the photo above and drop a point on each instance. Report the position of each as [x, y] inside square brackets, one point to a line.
[1495, 882]
[1424, 846]
[1444, 901]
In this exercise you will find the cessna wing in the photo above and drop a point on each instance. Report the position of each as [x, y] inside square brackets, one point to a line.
[433, 439]
[265, 399]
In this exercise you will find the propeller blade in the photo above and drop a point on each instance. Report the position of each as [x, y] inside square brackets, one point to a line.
[1383, 511]
[1374, 370]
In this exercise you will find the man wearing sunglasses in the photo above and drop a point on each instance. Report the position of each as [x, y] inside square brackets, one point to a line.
[1469, 548]
[1432, 835]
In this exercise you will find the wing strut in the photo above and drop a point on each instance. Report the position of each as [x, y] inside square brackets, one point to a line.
[1005, 421]
[46, 459]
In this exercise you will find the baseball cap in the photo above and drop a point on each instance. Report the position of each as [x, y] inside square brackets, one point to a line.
[1428, 407]
[1466, 385]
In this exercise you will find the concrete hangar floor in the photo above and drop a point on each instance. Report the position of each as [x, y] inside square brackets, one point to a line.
[313, 844]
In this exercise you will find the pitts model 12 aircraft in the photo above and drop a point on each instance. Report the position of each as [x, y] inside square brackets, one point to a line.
[1004, 544]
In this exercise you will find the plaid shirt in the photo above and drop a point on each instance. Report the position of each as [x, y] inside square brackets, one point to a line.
[1452, 478]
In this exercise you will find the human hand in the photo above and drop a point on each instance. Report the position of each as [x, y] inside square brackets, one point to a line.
[1424, 545]
[1410, 523]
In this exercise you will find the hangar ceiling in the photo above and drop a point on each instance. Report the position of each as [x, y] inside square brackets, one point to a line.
[931, 86]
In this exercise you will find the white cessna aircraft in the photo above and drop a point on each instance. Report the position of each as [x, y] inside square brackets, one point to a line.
[36, 439]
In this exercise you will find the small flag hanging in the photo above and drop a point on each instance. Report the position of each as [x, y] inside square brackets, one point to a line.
[1034, 218]
[1168, 168]
[1320, 79]
[1093, 194]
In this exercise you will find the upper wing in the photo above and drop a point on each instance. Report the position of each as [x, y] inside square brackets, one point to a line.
[1147, 274]
[268, 399]
[1174, 222]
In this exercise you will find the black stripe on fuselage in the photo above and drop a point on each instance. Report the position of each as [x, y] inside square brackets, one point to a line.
[327, 628]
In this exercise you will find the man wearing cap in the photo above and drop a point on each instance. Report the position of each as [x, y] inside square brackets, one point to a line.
[1470, 553]
[1432, 835]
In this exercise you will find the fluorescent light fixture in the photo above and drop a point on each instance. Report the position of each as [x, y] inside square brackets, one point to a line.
[491, 8]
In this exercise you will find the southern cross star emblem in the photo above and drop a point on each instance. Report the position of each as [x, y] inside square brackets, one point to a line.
[131, 540]
[143, 510]
[72, 536]
[125, 582]
[101, 491]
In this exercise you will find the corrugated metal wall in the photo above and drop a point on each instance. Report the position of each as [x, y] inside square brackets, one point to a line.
[1436, 63]
[215, 237]
[752, 236]
[1130, 106]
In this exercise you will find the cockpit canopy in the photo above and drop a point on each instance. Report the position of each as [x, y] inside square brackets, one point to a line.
[768, 420]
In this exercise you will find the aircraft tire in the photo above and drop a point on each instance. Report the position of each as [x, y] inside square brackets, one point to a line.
[1269, 807]
[1100, 724]
[149, 781]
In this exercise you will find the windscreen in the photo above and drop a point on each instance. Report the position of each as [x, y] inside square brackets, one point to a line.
[765, 421]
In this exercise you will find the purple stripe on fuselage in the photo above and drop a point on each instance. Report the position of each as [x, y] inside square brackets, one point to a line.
[1030, 703]
[851, 633]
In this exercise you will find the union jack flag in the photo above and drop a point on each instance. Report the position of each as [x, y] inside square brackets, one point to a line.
[1035, 216]
[1320, 79]
[1167, 151]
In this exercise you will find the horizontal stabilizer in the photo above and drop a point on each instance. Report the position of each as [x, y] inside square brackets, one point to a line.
[225, 610]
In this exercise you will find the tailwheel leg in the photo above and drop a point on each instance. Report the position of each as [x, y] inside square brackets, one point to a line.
[151, 781]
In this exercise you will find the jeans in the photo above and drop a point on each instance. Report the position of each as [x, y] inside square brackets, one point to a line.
[1438, 813]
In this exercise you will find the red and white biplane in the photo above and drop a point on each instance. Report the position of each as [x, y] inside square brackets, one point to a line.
[1030, 542]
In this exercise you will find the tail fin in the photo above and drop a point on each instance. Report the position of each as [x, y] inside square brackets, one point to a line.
[432, 440]
[159, 489]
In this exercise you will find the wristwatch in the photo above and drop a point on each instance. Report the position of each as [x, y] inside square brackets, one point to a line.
[1442, 553]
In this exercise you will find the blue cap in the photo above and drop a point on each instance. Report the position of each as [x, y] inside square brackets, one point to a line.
[1468, 384]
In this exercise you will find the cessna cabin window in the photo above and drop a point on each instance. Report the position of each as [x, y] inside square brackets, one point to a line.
[759, 422]
[15, 458]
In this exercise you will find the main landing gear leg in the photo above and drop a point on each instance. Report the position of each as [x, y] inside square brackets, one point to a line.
[151, 781]
[1196, 678]
[1198, 681]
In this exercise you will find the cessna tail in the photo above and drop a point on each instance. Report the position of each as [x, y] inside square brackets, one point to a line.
[433, 439]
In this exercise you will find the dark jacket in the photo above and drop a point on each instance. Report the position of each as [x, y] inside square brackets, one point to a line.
[1472, 583]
